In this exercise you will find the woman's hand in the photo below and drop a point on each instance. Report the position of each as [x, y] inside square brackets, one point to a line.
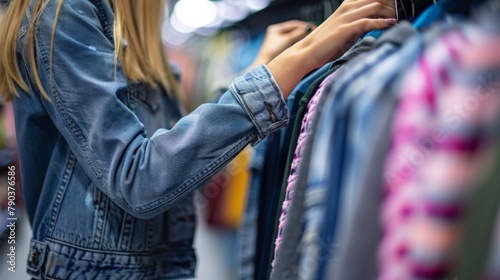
[333, 37]
[279, 37]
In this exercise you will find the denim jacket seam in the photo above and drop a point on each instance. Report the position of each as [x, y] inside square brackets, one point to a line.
[238, 97]
[104, 203]
[70, 164]
[23, 30]
[198, 176]
[71, 125]
[147, 235]
[203, 173]
[130, 99]
[151, 226]
[100, 214]
[114, 252]
[124, 238]
[132, 224]
[108, 30]
[22, 33]
[264, 75]
[262, 131]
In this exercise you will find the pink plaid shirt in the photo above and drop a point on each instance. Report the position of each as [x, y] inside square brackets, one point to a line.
[440, 148]
[305, 129]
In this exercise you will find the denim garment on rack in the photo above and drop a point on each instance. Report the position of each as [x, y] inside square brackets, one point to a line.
[359, 230]
[300, 90]
[364, 121]
[317, 189]
[273, 175]
[247, 233]
[286, 262]
[285, 266]
[280, 191]
[293, 102]
[274, 164]
[326, 170]
[305, 130]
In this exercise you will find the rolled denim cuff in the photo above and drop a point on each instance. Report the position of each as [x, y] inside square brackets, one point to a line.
[262, 99]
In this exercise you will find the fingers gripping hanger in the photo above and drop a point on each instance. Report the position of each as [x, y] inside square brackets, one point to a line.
[413, 10]
[399, 4]
[396, 9]
[410, 9]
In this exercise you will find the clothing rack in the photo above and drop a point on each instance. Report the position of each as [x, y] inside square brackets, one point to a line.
[410, 10]
[314, 11]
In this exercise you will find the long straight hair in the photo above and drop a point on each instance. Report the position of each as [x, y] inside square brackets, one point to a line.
[137, 22]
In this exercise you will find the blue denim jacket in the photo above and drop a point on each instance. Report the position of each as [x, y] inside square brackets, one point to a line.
[107, 177]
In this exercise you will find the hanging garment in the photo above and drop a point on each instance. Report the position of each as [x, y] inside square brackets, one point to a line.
[480, 251]
[479, 226]
[275, 165]
[441, 142]
[283, 265]
[325, 172]
[305, 129]
[272, 175]
[247, 233]
[372, 110]
[268, 198]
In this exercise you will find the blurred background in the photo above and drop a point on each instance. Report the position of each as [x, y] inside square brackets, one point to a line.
[224, 36]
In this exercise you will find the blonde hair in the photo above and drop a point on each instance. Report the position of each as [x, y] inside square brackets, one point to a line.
[136, 22]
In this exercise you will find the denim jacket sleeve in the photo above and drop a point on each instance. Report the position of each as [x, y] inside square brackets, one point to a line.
[144, 176]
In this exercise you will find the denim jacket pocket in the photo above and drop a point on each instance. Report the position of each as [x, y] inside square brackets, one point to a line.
[182, 220]
[143, 95]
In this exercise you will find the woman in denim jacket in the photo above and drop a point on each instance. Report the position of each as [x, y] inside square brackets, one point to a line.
[108, 163]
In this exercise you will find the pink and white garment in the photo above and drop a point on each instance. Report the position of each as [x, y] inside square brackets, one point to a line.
[440, 148]
[305, 129]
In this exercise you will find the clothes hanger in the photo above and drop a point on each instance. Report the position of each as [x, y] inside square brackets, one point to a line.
[405, 10]
[429, 16]
[314, 11]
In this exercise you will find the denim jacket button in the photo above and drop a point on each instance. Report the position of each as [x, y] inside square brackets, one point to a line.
[269, 108]
[33, 258]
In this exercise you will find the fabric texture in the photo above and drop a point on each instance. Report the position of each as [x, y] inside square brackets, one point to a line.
[323, 196]
[371, 114]
[287, 258]
[304, 131]
[276, 153]
[441, 143]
